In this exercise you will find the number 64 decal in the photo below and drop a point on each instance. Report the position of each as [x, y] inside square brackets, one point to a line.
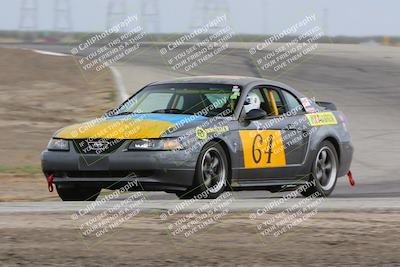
[262, 149]
[257, 152]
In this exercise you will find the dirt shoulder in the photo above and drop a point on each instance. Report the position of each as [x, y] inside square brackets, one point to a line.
[38, 95]
[25, 187]
[330, 239]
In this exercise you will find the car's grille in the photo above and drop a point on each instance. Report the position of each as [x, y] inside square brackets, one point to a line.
[97, 146]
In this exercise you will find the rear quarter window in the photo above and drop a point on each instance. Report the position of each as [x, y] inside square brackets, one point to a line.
[292, 102]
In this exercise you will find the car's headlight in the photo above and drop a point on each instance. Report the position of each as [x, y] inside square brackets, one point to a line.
[58, 145]
[155, 144]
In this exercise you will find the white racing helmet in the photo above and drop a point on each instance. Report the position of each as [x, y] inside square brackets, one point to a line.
[252, 102]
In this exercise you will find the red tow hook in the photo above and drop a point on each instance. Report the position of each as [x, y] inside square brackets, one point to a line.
[351, 180]
[50, 182]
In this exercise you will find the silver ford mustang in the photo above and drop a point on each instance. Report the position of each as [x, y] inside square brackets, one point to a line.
[204, 135]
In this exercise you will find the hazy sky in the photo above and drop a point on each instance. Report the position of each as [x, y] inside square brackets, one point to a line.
[343, 17]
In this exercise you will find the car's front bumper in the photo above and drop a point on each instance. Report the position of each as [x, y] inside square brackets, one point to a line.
[153, 170]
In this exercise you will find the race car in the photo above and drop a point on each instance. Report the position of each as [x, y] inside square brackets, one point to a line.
[200, 136]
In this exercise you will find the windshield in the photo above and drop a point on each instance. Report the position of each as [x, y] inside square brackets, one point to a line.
[194, 99]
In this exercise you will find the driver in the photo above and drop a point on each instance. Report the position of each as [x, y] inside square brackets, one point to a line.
[252, 102]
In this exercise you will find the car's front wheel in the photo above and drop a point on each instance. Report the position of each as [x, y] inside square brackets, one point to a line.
[324, 171]
[77, 193]
[211, 174]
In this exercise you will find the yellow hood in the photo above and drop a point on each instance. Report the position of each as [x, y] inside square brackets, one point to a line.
[115, 129]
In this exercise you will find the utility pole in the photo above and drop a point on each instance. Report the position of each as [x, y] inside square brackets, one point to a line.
[325, 21]
[150, 15]
[28, 19]
[116, 12]
[265, 16]
[62, 16]
[206, 10]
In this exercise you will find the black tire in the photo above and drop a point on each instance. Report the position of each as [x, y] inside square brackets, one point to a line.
[211, 175]
[324, 171]
[77, 193]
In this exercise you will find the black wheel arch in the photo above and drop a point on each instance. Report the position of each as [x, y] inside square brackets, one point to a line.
[313, 150]
[335, 143]
[227, 151]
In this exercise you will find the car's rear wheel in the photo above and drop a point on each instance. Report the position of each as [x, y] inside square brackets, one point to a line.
[211, 174]
[77, 193]
[324, 171]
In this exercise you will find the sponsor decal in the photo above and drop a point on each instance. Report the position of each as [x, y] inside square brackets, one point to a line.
[322, 118]
[262, 149]
[307, 105]
[202, 133]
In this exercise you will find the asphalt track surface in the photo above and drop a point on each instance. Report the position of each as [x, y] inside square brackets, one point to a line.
[237, 205]
[363, 81]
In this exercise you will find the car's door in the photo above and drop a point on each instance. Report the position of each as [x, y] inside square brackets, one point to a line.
[274, 147]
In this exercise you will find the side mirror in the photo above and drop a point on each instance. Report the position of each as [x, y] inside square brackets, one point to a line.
[255, 114]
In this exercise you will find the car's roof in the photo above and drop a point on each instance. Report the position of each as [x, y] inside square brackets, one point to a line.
[246, 82]
[217, 79]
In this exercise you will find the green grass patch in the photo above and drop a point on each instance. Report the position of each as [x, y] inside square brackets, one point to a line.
[23, 169]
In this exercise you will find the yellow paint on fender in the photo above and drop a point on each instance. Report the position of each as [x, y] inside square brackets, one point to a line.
[262, 149]
[321, 118]
[115, 129]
